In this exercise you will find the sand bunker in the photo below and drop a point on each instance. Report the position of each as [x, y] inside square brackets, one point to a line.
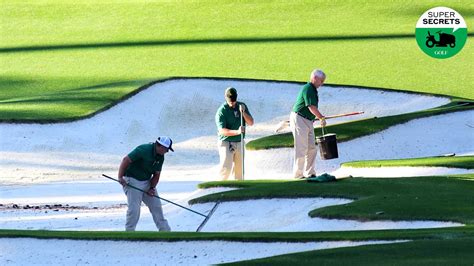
[75, 154]
[102, 208]
[185, 109]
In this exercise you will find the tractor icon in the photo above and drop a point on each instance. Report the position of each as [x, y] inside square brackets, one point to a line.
[445, 39]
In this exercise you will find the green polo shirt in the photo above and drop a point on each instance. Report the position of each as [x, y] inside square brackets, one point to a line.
[145, 162]
[307, 96]
[228, 117]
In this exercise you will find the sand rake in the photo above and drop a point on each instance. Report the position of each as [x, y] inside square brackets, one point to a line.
[285, 124]
[206, 217]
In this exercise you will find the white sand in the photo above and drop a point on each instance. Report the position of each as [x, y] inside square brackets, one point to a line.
[271, 215]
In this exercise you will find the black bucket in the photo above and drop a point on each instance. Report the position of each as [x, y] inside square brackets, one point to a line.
[327, 146]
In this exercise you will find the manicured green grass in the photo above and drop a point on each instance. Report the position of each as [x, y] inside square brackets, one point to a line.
[465, 162]
[88, 21]
[416, 234]
[355, 129]
[420, 252]
[374, 198]
[52, 47]
[79, 98]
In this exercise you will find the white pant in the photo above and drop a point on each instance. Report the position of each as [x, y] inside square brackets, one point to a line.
[134, 201]
[230, 159]
[305, 146]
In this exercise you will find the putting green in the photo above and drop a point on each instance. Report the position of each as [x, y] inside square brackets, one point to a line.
[52, 52]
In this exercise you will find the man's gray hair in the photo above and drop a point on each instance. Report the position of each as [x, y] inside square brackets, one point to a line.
[318, 73]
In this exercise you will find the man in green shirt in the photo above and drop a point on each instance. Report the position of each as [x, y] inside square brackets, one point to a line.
[304, 113]
[228, 122]
[141, 168]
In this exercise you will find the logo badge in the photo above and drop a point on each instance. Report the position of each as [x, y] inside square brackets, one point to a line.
[441, 32]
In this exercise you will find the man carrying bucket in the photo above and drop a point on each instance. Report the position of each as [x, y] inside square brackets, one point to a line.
[305, 110]
[231, 118]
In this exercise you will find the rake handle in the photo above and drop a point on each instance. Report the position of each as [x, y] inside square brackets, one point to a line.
[111, 178]
[242, 141]
[342, 115]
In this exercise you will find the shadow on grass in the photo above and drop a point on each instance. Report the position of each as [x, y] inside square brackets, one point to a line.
[35, 48]
[105, 89]
[6, 82]
[64, 104]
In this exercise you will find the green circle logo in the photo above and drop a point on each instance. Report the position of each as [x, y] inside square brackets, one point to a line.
[441, 32]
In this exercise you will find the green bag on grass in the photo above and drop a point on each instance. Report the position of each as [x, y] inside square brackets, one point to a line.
[322, 178]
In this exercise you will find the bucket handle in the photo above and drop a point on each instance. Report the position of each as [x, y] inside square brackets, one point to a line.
[322, 129]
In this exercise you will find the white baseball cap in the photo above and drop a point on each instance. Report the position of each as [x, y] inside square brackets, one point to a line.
[166, 142]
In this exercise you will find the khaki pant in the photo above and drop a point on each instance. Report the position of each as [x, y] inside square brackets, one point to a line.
[305, 147]
[134, 201]
[230, 159]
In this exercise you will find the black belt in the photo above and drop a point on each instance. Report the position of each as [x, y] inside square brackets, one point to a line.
[302, 115]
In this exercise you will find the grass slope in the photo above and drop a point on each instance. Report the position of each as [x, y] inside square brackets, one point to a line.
[417, 234]
[465, 162]
[374, 199]
[420, 252]
[52, 48]
[75, 98]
